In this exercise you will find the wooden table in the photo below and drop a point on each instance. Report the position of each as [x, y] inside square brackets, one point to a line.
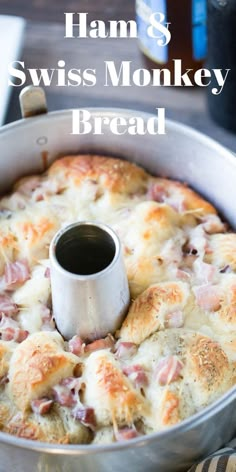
[44, 45]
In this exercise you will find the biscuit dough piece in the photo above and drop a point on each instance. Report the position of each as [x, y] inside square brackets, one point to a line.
[110, 393]
[114, 175]
[104, 436]
[47, 428]
[180, 197]
[38, 364]
[186, 372]
[152, 239]
[222, 250]
[6, 350]
[154, 310]
[176, 351]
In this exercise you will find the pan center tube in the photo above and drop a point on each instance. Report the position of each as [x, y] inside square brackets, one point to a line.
[85, 249]
[90, 292]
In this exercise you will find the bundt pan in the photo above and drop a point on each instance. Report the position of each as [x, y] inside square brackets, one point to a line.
[29, 146]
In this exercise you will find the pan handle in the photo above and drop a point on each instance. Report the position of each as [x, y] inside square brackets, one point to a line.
[32, 101]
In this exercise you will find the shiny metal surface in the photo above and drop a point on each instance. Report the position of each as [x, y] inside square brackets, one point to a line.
[183, 154]
[86, 263]
[32, 101]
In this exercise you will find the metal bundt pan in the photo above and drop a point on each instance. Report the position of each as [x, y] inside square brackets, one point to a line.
[31, 144]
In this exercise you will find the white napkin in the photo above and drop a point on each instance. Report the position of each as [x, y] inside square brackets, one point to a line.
[11, 35]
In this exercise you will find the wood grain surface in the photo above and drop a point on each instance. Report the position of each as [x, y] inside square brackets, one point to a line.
[44, 45]
[53, 10]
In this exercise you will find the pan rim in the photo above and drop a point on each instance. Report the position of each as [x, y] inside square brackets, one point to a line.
[194, 420]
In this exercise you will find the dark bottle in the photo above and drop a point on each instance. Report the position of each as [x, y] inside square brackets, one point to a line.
[222, 55]
[187, 20]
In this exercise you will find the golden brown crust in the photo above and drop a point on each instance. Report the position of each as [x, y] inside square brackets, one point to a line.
[226, 315]
[114, 174]
[209, 363]
[48, 428]
[6, 350]
[195, 370]
[5, 414]
[37, 364]
[222, 250]
[147, 313]
[8, 247]
[34, 232]
[180, 287]
[161, 214]
[169, 408]
[150, 236]
[191, 201]
[121, 403]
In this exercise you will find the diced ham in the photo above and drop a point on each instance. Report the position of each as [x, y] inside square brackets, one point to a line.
[182, 274]
[45, 314]
[137, 374]
[41, 406]
[7, 322]
[85, 415]
[130, 369]
[168, 370]
[124, 434]
[28, 185]
[213, 224]
[139, 378]
[47, 273]
[125, 350]
[208, 297]
[7, 306]
[63, 395]
[4, 380]
[174, 319]
[16, 273]
[177, 203]
[72, 383]
[204, 272]
[76, 345]
[46, 189]
[106, 343]
[14, 334]
[21, 335]
[39, 196]
[158, 193]
[10, 330]
[197, 242]
[48, 323]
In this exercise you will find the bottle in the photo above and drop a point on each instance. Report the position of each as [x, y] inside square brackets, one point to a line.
[187, 25]
[222, 55]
